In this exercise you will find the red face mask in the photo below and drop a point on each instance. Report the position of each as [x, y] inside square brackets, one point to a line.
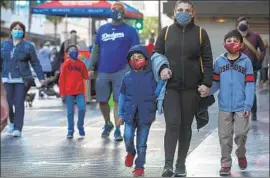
[138, 64]
[232, 47]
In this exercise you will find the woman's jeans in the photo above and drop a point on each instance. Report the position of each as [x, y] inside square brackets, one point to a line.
[70, 111]
[15, 96]
[141, 145]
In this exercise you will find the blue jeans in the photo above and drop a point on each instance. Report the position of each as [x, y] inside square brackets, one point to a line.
[15, 96]
[141, 143]
[70, 111]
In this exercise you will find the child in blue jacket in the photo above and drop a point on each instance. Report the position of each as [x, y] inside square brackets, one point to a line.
[137, 106]
[233, 77]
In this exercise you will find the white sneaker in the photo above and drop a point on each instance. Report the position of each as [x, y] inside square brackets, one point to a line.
[17, 133]
[10, 129]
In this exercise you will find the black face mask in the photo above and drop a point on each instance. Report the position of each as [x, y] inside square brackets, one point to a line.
[243, 27]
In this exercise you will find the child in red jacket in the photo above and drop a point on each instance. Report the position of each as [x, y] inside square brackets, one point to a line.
[71, 83]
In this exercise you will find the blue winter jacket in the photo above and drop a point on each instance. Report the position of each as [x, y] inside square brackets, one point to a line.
[137, 92]
[159, 60]
[236, 83]
[18, 65]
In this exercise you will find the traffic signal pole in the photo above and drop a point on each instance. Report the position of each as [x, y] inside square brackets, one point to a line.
[159, 16]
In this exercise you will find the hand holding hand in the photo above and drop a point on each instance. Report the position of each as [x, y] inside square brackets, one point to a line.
[246, 114]
[204, 90]
[166, 74]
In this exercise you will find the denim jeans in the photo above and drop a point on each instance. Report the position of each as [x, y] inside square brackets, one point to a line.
[141, 143]
[15, 96]
[70, 110]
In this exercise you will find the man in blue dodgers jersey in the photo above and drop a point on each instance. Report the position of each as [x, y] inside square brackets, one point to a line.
[234, 77]
[113, 41]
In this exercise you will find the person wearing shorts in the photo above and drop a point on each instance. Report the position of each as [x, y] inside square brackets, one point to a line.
[108, 59]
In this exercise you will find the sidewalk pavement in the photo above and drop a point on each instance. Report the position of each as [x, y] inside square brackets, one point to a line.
[44, 151]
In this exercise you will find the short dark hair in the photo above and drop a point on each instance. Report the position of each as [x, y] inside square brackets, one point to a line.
[73, 31]
[241, 18]
[184, 1]
[15, 24]
[235, 34]
[70, 46]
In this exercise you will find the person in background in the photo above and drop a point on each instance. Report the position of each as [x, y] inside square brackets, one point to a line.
[54, 61]
[252, 42]
[150, 46]
[265, 66]
[16, 54]
[71, 83]
[108, 58]
[63, 48]
[234, 78]
[44, 56]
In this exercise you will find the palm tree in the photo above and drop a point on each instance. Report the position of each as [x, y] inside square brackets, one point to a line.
[55, 20]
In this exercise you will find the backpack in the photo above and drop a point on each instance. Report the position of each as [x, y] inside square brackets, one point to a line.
[201, 62]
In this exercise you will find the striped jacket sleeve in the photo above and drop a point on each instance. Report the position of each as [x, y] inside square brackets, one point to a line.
[216, 79]
[250, 86]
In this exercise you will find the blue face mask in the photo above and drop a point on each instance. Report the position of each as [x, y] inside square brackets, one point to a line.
[116, 15]
[73, 54]
[243, 27]
[183, 18]
[17, 34]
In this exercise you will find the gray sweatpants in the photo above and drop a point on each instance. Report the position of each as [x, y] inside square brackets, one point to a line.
[229, 123]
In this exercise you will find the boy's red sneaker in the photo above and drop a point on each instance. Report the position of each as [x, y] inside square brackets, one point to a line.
[242, 163]
[138, 172]
[129, 160]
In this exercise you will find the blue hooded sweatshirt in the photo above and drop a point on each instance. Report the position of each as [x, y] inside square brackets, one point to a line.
[236, 83]
[137, 92]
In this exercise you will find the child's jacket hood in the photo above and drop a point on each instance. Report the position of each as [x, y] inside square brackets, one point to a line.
[143, 50]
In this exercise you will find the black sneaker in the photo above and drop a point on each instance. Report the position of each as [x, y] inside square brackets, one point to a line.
[167, 172]
[180, 171]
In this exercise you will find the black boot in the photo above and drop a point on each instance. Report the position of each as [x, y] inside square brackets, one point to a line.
[167, 172]
[254, 116]
[168, 169]
[180, 170]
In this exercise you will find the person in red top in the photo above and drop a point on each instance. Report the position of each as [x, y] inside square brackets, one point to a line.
[71, 83]
[150, 46]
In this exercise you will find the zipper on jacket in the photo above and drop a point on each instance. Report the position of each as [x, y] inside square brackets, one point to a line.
[183, 73]
[231, 86]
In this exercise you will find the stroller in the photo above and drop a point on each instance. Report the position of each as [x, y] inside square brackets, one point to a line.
[48, 89]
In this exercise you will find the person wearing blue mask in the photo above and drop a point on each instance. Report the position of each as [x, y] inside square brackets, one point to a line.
[187, 48]
[108, 59]
[71, 84]
[16, 54]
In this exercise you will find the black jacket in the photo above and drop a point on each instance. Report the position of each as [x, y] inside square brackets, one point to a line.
[183, 50]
